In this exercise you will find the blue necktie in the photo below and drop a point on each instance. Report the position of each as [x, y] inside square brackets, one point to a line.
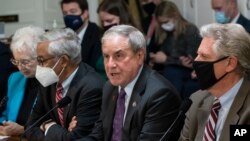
[119, 116]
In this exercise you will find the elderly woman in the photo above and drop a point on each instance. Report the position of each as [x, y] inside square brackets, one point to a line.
[22, 85]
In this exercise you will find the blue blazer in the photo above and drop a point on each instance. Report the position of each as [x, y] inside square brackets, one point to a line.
[16, 91]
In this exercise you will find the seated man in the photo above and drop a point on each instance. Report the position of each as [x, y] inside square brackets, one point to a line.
[138, 103]
[62, 73]
[22, 85]
[221, 67]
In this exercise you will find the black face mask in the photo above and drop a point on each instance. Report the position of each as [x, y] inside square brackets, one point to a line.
[73, 21]
[149, 8]
[105, 28]
[205, 73]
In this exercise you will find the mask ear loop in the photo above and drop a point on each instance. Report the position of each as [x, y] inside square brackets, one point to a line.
[61, 70]
[56, 63]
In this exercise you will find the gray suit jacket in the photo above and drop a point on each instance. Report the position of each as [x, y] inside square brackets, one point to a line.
[85, 91]
[152, 108]
[198, 113]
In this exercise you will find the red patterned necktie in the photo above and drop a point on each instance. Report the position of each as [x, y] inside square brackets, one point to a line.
[209, 134]
[119, 116]
[59, 90]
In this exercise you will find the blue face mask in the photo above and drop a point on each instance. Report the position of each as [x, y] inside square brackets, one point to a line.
[220, 17]
[73, 21]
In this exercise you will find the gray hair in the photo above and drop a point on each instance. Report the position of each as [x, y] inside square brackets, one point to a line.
[26, 38]
[230, 40]
[63, 42]
[135, 37]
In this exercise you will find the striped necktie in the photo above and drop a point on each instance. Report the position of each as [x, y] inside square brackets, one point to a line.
[59, 90]
[209, 134]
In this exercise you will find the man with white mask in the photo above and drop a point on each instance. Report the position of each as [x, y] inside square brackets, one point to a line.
[62, 73]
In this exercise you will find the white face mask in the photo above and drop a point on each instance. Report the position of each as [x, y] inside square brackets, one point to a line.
[47, 76]
[169, 26]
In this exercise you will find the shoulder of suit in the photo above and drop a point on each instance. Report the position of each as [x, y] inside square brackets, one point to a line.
[200, 95]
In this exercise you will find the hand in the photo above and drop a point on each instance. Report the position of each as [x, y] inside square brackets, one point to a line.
[186, 61]
[72, 124]
[193, 75]
[158, 57]
[47, 124]
[11, 128]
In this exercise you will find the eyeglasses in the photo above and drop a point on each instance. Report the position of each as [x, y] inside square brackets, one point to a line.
[23, 62]
[41, 61]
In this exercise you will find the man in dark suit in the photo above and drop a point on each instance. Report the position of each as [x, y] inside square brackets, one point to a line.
[76, 17]
[61, 73]
[138, 103]
[226, 11]
[221, 66]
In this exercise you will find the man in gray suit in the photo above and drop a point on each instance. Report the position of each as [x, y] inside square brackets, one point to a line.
[150, 103]
[62, 73]
[221, 67]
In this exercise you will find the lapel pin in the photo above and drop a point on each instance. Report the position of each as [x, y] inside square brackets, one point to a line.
[134, 104]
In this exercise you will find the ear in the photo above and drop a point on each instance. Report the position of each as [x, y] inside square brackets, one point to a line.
[85, 14]
[232, 64]
[141, 55]
[65, 60]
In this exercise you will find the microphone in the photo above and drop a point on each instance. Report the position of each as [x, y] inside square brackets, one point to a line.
[181, 115]
[63, 102]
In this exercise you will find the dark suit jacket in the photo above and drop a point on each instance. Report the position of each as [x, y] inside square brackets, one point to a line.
[244, 22]
[6, 68]
[152, 108]
[91, 45]
[85, 91]
[198, 113]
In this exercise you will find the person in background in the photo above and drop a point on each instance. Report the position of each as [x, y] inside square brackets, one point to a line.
[62, 73]
[221, 66]
[138, 103]
[148, 23]
[114, 12]
[76, 17]
[22, 85]
[5, 70]
[177, 41]
[226, 11]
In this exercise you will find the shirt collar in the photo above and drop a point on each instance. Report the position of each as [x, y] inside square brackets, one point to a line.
[66, 82]
[235, 19]
[129, 88]
[82, 32]
[227, 99]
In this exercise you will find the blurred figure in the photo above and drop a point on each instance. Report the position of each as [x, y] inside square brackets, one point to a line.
[177, 41]
[114, 12]
[226, 11]
[222, 66]
[22, 86]
[76, 17]
[148, 22]
[5, 70]
[138, 103]
[61, 73]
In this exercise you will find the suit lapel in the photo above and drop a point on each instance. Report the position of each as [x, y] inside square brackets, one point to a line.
[233, 114]
[111, 111]
[72, 91]
[52, 96]
[135, 99]
[202, 115]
